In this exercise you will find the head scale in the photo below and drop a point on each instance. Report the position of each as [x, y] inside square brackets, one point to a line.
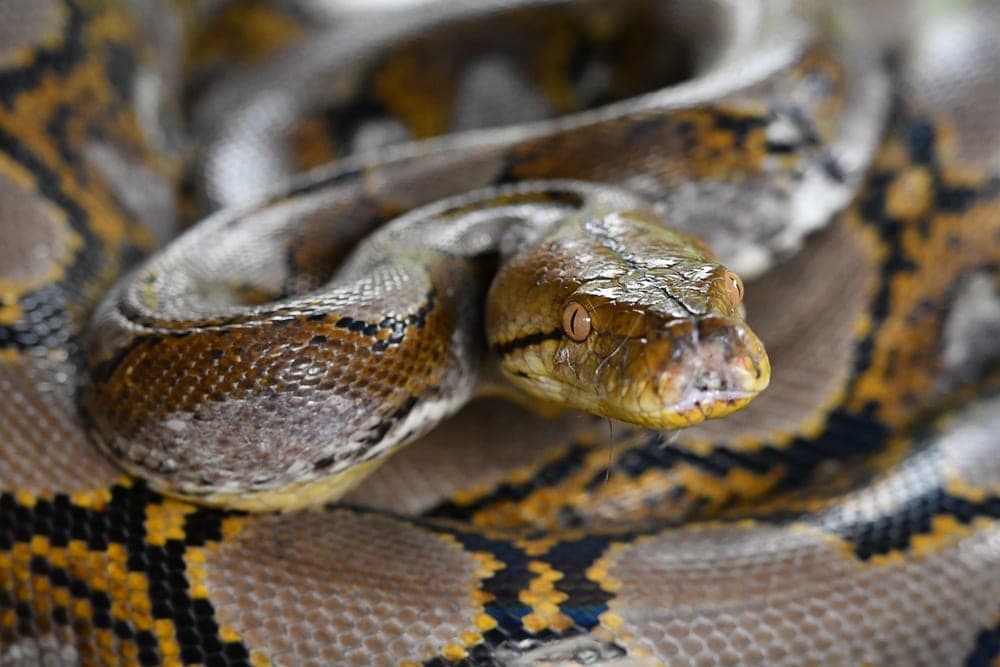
[614, 313]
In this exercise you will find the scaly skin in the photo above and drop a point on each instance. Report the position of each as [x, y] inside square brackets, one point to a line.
[503, 538]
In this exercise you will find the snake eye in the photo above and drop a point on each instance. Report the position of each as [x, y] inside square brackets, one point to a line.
[576, 322]
[734, 287]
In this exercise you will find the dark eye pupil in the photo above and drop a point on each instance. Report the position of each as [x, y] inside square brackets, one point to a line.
[576, 322]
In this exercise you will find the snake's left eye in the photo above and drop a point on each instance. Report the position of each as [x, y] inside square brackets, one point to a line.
[576, 321]
[734, 287]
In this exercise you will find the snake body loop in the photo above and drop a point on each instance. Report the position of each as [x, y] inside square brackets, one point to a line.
[409, 213]
[327, 383]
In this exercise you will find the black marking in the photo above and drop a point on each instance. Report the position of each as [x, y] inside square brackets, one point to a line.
[537, 338]
[62, 116]
[58, 62]
[343, 122]
[739, 125]
[506, 584]
[122, 522]
[48, 322]
[120, 67]
[895, 531]
[103, 371]
[60, 59]
[845, 437]
[548, 475]
[959, 199]
[920, 137]
[400, 413]
[987, 648]
[396, 325]
[833, 169]
[324, 463]
[573, 558]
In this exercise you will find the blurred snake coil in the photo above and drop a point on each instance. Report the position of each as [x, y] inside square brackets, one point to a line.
[163, 428]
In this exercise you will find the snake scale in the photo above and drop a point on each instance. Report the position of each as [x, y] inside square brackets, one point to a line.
[845, 163]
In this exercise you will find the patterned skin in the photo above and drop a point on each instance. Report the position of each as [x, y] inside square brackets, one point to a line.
[878, 540]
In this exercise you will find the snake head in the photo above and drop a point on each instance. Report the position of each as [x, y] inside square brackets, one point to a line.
[616, 314]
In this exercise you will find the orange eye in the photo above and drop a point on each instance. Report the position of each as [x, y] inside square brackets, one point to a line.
[734, 287]
[576, 321]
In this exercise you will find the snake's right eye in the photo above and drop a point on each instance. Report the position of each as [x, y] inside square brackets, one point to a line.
[734, 287]
[576, 321]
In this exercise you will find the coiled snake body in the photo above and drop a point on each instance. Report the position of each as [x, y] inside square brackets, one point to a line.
[847, 515]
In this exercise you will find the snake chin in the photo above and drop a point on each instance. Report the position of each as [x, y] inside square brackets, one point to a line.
[677, 377]
[712, 369]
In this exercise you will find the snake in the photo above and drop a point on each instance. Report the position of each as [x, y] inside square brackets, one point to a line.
[515, 333]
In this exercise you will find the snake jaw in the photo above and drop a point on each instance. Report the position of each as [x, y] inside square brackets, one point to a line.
[722, 375]
[693, 371]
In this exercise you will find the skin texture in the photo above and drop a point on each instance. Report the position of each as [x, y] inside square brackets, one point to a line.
[668, 346]
[665, 346]
[847, 515]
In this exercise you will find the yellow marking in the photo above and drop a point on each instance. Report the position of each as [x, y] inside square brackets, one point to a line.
[243, 33]
[611, 620]
[481, 597]
[18, 174]
[24, 498]
[540, 546]
[196, 573]
[69, 243]
[229, 634]
[149, 296]
[61, 597]
[39, 545]
[231, 527]
[542, 505]
[297, 496]
[454, 652]
[962, 489]
[81, 608]
[544, 599]
[42, 589]
[909, 195]
[165, 521]
[470, 638]
[97, 499]
[425, 111]
[163, 629]
[520, 475]
[25, 56]
[488, 564]
[907, 345]
[485, 622]
[10, 312]
[944, 529]
[258, 659]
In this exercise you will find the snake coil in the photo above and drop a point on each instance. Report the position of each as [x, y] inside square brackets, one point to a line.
[408, 213]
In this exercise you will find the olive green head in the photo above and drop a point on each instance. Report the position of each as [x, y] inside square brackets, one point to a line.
[613, 313]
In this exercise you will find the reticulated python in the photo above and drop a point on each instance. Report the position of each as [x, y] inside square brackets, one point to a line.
[848, 515]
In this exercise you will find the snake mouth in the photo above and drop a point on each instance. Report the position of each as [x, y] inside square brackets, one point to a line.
[697, 371]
